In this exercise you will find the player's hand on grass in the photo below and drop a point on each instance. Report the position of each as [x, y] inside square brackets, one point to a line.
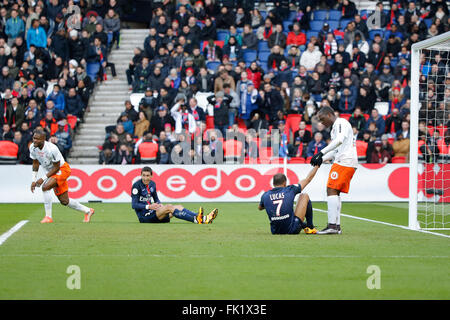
[317, 160]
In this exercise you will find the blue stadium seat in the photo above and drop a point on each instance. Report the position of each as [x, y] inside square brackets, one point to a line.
[264, 56]
[372, 33]
[394, 62]
[428, 22]
[365, 13]
[334, 15]
[240, 30]
[316, 25]
[264, 67]
[344, 22]
[92, 70]
[212, 65]
[334, 24]
[317, 97]
[310, 34]
[263, 46]
[320, 15]
[222, 35]
[250, 55]
[286, 25]
[292, 15]
[263, 13]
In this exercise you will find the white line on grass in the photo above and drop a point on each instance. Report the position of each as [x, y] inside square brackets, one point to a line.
[224, 256]
[388, 224]
[11, 231]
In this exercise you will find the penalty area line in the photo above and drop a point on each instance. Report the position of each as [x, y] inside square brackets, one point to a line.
[11, 231]
[388, 224]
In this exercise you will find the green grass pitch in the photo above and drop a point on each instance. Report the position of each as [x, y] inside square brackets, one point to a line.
[236, 257]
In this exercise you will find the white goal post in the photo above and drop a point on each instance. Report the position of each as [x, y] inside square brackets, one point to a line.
[428, 208]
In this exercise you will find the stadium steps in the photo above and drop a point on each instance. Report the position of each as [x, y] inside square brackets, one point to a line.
[107, 101]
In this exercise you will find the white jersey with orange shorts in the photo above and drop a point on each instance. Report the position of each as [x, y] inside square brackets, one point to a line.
[46, 157]
[343, 149]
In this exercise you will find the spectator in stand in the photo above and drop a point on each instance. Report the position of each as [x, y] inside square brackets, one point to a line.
[310, 57]
[296, 37]
[275, 58]
[377, 120]
[315, 145]
[57, 97]
[277, 38]
[112, 28]
[404, 131]
[379, 154]
[264, 32]
[74, 106]
[347, 101]
[36, 35]
[348, 9]
[64, 140]
[357, 119]
[6, 133]
[249, 39]
[14, 26]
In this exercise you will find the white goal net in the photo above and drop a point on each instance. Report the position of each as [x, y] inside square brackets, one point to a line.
[430, 137]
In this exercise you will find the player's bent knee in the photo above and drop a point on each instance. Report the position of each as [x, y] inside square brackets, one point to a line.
[64, 202]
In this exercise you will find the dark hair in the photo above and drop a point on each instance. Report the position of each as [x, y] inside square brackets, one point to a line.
[279, 179]
[147, 169]
[325, 110]
[39, 132]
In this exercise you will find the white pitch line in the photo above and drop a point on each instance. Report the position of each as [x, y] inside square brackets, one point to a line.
[231, 256]
[11, 231]
[388, 224]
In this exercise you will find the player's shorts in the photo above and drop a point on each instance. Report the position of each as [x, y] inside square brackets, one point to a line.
[340, 177]
[151, 217]
[293, 228]
[61, 179]
[296, 226]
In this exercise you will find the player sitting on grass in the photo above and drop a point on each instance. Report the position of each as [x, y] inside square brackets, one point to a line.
[279, 205]
[57, 171]
[144, 190]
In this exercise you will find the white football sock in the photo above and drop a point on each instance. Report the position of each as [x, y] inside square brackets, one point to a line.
[338, 217]
[47, 203]
[333, 207]
[74, 204]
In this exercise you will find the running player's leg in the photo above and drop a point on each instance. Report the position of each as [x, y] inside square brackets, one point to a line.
[71, 203]
[46, 187]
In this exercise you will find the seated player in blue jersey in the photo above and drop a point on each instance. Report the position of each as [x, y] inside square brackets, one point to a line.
[279, 205]
[144, 191]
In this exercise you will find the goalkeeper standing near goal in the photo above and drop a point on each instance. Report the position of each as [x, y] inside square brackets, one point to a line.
[342, 149]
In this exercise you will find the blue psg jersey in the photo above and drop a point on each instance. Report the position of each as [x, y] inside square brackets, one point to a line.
[279, 205]
[142, 195]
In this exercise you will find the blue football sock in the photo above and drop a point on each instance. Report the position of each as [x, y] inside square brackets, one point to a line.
[309, 215]
[184, 215]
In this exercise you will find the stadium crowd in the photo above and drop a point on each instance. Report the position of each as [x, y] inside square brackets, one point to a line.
[51, 57]
[257, 69]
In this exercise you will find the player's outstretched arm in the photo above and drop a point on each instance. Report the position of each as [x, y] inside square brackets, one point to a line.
[308, 179]
[34, 172]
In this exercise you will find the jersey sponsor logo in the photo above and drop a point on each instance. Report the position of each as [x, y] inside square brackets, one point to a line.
[334, 175]
[279, 217]
[145, 199]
